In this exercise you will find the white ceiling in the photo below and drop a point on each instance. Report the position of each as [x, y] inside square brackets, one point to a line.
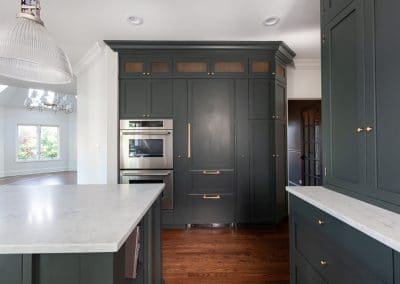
[78, 24]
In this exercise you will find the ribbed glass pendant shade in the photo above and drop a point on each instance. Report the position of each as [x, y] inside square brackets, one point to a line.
[28, 53]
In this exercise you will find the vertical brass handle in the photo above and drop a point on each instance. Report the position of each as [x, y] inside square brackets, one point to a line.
[189, 154]
[359, 129]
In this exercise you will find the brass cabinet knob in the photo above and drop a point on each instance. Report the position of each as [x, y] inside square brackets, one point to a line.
[212, 73]
[273, 117]
[179, 156]
[323, 263]
[148, 74]
[144, 73]
[144, 115]
[320, 222]
[359, 129]
[368, 129]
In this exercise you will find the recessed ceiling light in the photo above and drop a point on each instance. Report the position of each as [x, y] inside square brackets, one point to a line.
[135, 20]
[271, 21]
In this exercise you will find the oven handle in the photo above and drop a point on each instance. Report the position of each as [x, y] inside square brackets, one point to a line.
[146, 174]
[146, 133]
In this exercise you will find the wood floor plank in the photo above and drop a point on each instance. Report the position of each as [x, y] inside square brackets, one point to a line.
[226, 255]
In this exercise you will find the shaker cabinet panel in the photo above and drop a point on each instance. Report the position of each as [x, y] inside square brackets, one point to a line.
[280, 170]
[344, 100]
[261, 170]
[11, 269]
[330, 8]
[386, 132]
[280, 102]
[260, 98]
[133, 98]
[161, 98]
[211, 115]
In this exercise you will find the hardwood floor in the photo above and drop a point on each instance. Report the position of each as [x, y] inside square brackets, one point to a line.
[226, 256]
[58, 178]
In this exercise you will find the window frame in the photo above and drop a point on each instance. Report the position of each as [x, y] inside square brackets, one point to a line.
[38, 143]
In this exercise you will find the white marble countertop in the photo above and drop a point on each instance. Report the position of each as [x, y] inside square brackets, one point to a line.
[71, 218]
[376, 222]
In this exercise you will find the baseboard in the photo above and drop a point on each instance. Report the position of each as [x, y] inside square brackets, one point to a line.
[35, 171]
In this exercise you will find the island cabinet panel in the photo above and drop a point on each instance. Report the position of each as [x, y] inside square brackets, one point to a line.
[344, 100]
[337, 252]
[10, 269]
[146, 98]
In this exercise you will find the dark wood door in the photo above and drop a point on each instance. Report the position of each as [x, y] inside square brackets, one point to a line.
[211, 114]
[261, 171]
[134, 98]
[161, 95]
[311, 152]
[260, 99]
[384, 136]
[344, 99]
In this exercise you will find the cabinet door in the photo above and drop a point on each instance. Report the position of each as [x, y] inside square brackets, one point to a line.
[385, 135]
[261, 168]
[330, 8]
[11, 269]
[261, 66]
[229, 67]
[211, 114]
[344, 100]
[159, 67]
[243, 204]
[192, 67]
[304, 273]
[280, 103]
[280, 169]
[161, 98]
[133, 98]
[132, 66]
[261, 96]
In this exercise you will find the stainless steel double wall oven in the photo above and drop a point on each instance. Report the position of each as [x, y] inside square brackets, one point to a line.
[146, 154]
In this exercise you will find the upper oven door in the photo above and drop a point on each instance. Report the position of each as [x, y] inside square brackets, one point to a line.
[146, 149]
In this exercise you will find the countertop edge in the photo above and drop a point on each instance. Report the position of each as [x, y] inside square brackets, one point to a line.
[364, 228]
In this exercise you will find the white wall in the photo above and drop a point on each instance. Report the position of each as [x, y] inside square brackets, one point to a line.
[72, 142]
[11, 118]
[304, 79]
[1, 142]
[97, 118]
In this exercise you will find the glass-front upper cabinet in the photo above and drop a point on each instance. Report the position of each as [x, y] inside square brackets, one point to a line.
[229, 67]
[192, 67]
[142, 66]
[261, 66]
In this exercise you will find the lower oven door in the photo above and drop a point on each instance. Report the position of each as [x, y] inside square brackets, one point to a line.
[146, 149]
[153, 176]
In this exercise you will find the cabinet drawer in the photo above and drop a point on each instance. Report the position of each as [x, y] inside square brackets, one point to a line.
[321, 237]
[211, 208]
[304, 273]
[211, 181]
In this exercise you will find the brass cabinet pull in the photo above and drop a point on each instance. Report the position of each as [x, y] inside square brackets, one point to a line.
[368, 129]
[189, 154]
[214, 196]
[323, 263]
[359, 129]
[144, 73]
[320, 222]
[211, 172]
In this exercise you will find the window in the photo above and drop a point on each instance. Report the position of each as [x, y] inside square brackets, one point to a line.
[37, 142]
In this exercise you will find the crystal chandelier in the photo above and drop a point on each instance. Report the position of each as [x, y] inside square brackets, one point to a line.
[28, 52]
[47, 100]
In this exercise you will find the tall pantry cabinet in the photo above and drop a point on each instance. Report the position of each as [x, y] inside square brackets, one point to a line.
[228, 102]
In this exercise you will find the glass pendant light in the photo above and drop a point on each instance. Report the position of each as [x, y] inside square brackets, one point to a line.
[28, 52]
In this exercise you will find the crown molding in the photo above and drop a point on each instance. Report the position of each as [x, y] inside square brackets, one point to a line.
[90, 56]
[307, 64]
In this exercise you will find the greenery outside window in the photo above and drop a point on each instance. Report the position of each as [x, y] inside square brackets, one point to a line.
[38, 143]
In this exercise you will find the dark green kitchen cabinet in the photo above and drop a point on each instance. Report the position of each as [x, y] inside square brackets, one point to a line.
[331, 8]
[384, 101]
[151, 98]
[344, 99]
[228, 102]
[337, 252]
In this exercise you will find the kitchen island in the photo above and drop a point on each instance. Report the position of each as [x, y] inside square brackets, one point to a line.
[78, 234]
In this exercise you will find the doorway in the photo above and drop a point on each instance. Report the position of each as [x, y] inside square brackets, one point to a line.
[304, 143]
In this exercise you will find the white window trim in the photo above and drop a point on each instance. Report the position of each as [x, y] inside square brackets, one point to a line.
[38, 133]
